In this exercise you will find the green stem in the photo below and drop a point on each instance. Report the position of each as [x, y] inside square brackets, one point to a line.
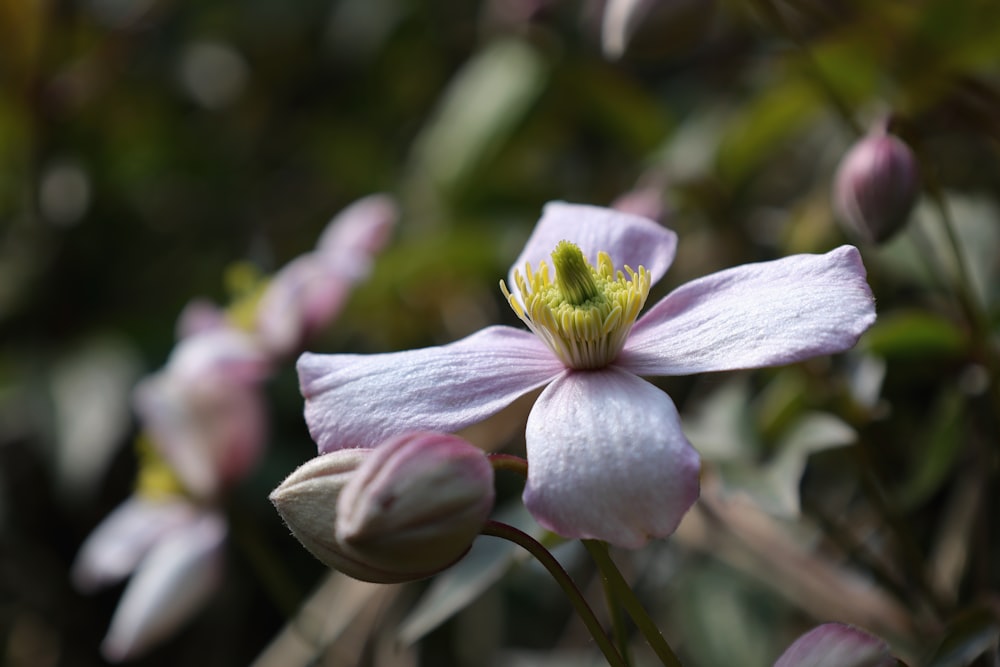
[624, 594]
[617, 619]
[548, 561]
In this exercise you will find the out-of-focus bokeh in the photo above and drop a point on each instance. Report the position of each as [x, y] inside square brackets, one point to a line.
[157, 151]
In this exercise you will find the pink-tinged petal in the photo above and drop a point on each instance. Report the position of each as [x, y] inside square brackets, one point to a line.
[755, 315]
[177, 577]
[628, 239]
[199, 316]
[302, 298]
[116, 546]
[219, 355]
[211, 434]
[837, 645]
[607, 459]
[360, 400]
[361, 229]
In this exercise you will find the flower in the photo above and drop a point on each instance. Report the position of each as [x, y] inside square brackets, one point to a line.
[401, 512]
[607, 457]
[837, 645]
[204, 426]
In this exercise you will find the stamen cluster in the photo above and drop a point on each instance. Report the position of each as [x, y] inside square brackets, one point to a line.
[585, 327]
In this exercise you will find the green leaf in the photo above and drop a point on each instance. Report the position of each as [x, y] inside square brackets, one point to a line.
[915, 335]
[480, 108]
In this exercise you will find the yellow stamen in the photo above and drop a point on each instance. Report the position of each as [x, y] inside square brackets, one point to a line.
[586, 327]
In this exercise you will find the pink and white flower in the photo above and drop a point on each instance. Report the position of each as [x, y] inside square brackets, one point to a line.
[607, 458]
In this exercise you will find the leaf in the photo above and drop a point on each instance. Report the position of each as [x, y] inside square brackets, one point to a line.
[935, 454]
[914, 335]
[774, 487]
[720, 427]
[479, 110]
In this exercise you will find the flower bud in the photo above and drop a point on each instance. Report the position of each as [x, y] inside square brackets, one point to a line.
[415, 506]
[876, 186]
[403, 511]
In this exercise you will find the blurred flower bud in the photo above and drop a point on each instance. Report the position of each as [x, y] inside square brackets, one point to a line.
[876, 186]
[837, 645]
[401, 512]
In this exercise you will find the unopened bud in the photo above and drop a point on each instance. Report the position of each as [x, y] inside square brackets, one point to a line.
[876, 186]
[401, 512]
[307, 501]
[415, 506]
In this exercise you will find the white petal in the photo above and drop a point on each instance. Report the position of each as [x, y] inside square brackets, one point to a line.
[171, 584]
[628, 239]
[755, 315]
[360, 400]
[607, 459]
[116, 546]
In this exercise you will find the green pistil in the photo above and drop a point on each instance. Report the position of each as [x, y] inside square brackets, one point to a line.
[574, 277]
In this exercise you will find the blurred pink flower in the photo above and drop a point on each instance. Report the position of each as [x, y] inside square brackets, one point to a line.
[837, 645]
[310, 291]
[205, 418]
[204, 411]
[607, 458]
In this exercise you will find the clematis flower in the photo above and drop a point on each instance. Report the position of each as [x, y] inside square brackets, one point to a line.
[607, 457]
[204, 425]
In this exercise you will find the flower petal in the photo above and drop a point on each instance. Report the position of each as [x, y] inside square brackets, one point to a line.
[360, 400]
[116, 546]
[836, 645]
[171, 584]
[361, 230]
[607, 459]
[755, 315]
[628, 239]
[302, 298]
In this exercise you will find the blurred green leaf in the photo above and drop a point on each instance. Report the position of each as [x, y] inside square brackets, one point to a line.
[914, 335]
[934, 455]
[769, 120]
[480, 108]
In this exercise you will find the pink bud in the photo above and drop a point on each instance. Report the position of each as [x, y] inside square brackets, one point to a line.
[837, 645]
[400, 512]
[876, 185]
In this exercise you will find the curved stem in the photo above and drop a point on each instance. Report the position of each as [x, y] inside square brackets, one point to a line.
[508, 462]
[542, 555]
[599, 552]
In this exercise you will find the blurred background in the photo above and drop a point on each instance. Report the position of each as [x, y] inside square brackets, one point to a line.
[149, 149]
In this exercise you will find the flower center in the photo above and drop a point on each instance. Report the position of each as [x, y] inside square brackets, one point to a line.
[155, 479]
[586, 314]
